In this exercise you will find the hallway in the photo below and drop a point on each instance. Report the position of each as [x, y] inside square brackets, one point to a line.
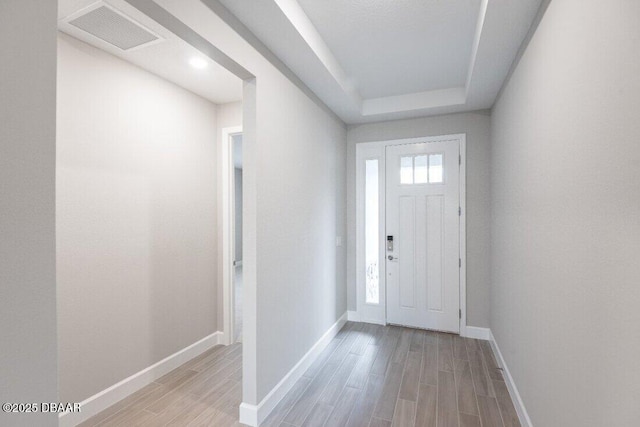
[369, 375]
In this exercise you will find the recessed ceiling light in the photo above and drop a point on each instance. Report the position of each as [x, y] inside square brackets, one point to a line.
[198, 63]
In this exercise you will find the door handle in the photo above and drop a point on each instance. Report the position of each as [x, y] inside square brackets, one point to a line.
[392, 258]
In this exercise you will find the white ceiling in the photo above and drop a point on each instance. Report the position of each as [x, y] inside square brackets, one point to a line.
[367, 60]
[426, 43]
[168, 59]
[372, 60]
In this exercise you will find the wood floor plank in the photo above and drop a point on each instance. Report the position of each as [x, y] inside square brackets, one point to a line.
[431, 337]
[505, 404]
[174, 375]
[211, 353]
[344, 348]
[465, 391]
[344, 407]
[183, 402]
[277, 415]
[411, 377]
[489, 412]
[202, 404]
[472, 343]
[360, 373]
[387, 401]
[379, 422]
[445, 353]
[236, 375]
[317, 365]
[222, 412]
[447, 401]
[473, 349]
[345, 330]
[490, 361]
[383, 358]
[417, 341]
[429, 369]
[303, 406]
[459, 348]
[378, 332]
[334, 387]
[234, 354]
[405, 413]
[467, 420]
[318, 415]
[366, 403]
[174, 394]
[362, 340]
[202, 386]
[426, 414]
[214, 366]
[210, 418]
[394, 331]
[177, 380]
[447, 419]
[141, 403]
[135, 418]
[119, 406]
[401, 350]
[481, 382]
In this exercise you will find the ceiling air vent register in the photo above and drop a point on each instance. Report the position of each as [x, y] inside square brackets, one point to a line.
[112, 26]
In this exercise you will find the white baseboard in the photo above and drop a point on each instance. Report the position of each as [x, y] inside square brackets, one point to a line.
[102, 400]
[511, 385]
[477, 333]
[254, 415]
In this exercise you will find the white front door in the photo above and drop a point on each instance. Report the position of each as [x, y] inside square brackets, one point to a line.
[422, 235]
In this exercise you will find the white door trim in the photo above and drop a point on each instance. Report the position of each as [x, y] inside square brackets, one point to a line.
[365, 147]
[227, 207]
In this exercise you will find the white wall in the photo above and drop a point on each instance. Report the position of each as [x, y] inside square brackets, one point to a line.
[299, 285]
[136, 219]
[229, 115]
[566, 217]
[28, 343]
[477, 127]
[293, 176]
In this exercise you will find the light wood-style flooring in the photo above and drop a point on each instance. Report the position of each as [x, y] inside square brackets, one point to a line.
[368, 376]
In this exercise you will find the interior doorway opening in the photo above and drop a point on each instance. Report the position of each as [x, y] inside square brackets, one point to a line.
[236, 160]
[232, 233]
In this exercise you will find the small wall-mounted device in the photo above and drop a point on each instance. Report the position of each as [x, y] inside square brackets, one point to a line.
[390, 243]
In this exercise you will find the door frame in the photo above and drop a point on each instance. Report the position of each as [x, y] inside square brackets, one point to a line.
[363, 152]
[228, 231]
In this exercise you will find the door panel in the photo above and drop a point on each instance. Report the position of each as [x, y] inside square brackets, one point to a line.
[434, 243]
[406, 249]
[422, 200]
